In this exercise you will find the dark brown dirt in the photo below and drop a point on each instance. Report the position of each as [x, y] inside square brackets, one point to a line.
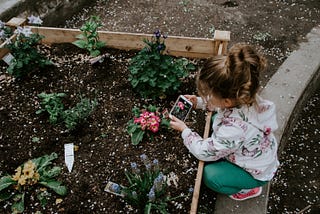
[105, 150]
[275, 27]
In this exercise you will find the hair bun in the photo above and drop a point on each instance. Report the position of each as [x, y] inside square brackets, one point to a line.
[243, 53]
[235, 75]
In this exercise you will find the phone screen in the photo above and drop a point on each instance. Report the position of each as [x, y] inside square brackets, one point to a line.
[181, 108]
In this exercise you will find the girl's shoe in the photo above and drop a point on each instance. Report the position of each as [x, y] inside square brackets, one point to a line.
[240, 196]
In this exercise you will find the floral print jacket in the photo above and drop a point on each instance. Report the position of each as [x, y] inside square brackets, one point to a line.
[243, 136]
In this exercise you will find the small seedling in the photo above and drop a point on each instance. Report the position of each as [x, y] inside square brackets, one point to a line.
[89, 38]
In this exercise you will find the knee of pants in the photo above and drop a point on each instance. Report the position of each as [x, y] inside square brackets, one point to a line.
[211, 179]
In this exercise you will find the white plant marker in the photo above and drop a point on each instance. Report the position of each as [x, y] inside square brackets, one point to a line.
[8, 58]
[69, 155]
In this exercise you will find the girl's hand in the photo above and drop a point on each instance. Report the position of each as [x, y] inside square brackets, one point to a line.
[193, 99]
[177, 124]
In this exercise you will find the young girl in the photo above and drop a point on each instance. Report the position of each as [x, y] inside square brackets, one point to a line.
[242, 150]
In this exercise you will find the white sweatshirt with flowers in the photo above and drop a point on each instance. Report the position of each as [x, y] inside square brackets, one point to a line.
[243, 136]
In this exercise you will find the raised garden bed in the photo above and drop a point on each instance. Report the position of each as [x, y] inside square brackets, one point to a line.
[104, 149]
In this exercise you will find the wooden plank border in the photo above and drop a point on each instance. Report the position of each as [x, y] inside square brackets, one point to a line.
[3, 49]
[12, 23]
[176, 46]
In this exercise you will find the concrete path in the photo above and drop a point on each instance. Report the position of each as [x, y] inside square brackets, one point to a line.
[7, 4]
[289, 88]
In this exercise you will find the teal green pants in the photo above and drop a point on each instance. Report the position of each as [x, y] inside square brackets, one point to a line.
[227, 178]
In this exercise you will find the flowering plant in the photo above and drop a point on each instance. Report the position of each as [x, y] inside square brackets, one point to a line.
[148, 120]
[5, 32]
[28, 176]
[25, 52]
[154, 74]
[147, 188]
[35, 20]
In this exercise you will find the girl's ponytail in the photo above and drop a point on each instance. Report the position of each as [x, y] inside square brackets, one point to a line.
[233, 76]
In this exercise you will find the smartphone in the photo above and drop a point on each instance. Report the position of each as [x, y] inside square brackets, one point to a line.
[181, 108]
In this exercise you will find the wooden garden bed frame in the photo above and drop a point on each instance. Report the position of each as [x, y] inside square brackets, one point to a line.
[176, 46]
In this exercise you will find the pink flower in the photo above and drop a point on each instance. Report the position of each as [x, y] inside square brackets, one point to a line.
[143, 121]
[149, 121]
[152, 121]
[154, 128]
[146, 114]
[181, 105]
[152, 114]
[143, 127]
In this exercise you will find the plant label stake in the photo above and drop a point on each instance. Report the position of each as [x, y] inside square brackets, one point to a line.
[99, 59]
[8, 58]
[114, 188]
[69, 155]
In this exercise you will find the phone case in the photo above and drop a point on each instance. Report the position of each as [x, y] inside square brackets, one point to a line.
[181, 108]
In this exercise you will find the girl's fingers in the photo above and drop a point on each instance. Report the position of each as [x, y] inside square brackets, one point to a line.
[192, 98]
[175, 119]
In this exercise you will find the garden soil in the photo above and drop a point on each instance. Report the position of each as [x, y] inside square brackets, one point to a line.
[104, 149]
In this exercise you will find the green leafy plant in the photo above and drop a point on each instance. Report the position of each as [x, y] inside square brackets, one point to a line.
[24, 50]
[154, 74]
[147, 190]
[52, 104]
[147, 120]
[78, 114]
[89, 38]
[5, 32]
[31, 176]
[26, 55]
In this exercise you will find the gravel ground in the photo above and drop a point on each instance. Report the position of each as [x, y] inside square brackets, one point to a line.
[295, 189]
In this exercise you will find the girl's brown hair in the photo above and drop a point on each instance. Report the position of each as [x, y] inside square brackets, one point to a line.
[234, 76]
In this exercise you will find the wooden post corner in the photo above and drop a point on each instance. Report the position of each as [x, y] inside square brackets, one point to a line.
[15, 22]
